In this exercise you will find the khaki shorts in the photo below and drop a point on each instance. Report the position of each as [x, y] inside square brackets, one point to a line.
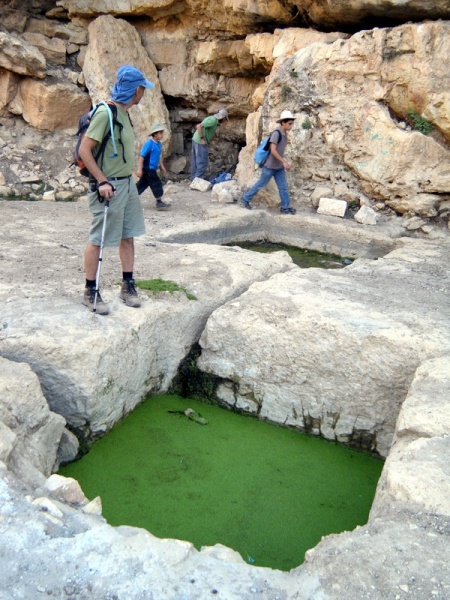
[125, 217]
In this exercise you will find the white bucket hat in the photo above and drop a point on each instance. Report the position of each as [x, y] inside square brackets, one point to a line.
[222, 114]
[157, 128]
[286, 115]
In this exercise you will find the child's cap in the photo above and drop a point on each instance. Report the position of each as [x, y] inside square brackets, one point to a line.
[157, 128]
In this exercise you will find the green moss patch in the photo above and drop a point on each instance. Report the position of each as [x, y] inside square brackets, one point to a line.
[163, 285]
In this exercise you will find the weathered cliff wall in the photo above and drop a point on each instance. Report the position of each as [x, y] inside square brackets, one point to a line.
[373, 122]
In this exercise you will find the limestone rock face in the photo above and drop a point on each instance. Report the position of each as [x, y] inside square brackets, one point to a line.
[9, 84]
[52, 106]
[21, 57]
[208, 91]
[233, 15]
[54, 49]
[75, 32]
[30, 432]
[329, 12]
[287, 41]
[79, 369]
[228, 58]
[352, 100]
[85, 8]
[348, 353]
[417, 472]
[113, 43]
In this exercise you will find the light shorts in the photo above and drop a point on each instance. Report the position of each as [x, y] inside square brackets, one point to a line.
[125, 217]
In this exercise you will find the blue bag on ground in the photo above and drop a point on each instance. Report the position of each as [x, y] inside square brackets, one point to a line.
[223, 176]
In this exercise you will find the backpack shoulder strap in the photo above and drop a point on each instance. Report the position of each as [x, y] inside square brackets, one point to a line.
[268, 142]
[279, 135]
[111, 110]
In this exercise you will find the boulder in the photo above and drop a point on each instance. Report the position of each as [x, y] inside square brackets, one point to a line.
[287, 41]
[260, 46]
[54, 49]
[329, 13]
[331, 353]
[228, 58]
[30, 431]
[366, 216]
[416, 474]
[21, 57]
[76, 357]
[113, 43]
[332, 207]
[320, 192]
[199, 184]
[207, 90]
[227, 191]
[52, 106]
[74, 32]
[9, 84]
[176, 164]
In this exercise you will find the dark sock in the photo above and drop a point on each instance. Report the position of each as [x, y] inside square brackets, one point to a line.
[126, 276]
[158, 201]
[90, 283]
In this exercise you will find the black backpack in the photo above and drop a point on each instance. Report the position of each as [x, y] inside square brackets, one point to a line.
[83, 124]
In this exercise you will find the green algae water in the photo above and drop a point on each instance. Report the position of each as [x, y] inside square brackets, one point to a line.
[268, 492]
[301, 257]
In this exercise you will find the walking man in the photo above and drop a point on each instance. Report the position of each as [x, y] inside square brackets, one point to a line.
[204, 133]
[111, 181]
[275, 166]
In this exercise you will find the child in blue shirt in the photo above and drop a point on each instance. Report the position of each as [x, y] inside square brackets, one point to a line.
[150, 159]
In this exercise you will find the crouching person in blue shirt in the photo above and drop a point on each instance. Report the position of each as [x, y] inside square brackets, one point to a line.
[150, 159]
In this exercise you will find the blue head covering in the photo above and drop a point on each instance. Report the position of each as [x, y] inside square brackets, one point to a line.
[128, 80]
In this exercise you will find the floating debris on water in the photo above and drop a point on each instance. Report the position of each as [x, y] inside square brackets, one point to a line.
[190, 413]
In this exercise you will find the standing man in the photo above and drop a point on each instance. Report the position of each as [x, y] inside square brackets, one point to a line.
[204, 133]
[111, 181]
[275, 166]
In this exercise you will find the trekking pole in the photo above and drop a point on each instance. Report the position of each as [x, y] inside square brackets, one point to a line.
[100, 256]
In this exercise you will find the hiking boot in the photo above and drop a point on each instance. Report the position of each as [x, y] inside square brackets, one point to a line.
[89, 301]
[288, 211]
[128, 294]
[246, 204]
[162, 206]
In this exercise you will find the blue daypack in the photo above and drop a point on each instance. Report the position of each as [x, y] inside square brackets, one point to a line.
[263, 150]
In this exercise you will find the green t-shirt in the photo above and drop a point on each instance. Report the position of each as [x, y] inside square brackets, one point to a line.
[210, 125]
[123, 164]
